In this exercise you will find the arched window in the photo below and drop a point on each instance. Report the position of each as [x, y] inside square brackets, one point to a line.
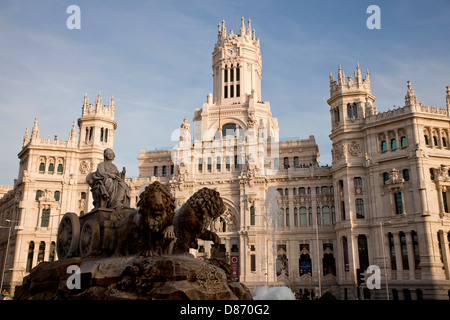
[349, 111]
[337, 116]
[51, 256]
[310, 219]
[359, 203]
[294, 191]
[286, 192]
[209, 164]
[45, 218]
[252, 215]
[326, 216]
[301, 190]
[406, 174]
[51, 167]
[363, 252]
[342, 210]
[280, 191]
[435, 141]
[383, 145]
[345, 251]
[218, 163]
[392, 251]
[41, 252]
[357, 181]
[317, 190]
[286, 163]
[232, 74]
[57, 195]
[296, 162]
[164, 171]
[355, 111]
[324, 190]
[329, 264]
[393, 144]
[280, 219]
[444, 142]
[319, 220]
[60, 168]
[41, 167]
[425, 137]
[415, 241]
[404, 251]
[30, 257]
[303, 222]
[106, 135]
[238, 73]
[287, 217]
[101, 134]
[225, 74]
[385, 177]
[403, 142]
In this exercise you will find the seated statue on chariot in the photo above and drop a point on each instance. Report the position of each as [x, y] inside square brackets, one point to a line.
[108, 186]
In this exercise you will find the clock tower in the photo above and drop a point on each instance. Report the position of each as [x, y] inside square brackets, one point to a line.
[236, 65]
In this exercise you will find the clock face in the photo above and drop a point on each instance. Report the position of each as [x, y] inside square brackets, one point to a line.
[231, 52]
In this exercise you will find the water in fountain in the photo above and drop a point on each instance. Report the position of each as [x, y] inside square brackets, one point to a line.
[270, 217]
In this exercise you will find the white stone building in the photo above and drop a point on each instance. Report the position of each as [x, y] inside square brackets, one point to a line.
[383, 202]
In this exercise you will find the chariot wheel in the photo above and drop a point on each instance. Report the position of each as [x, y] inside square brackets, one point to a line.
[89, 238]
[68, 235]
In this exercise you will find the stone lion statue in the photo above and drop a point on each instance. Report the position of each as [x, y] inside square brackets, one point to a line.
[194, 217]
[148, 231]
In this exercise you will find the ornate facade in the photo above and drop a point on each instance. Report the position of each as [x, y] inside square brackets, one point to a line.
[384, 201]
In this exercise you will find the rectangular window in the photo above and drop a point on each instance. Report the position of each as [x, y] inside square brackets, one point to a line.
[392, 251]
[303, 216]
[404, 251]
[296, 217]
[209, 164]
[253, 263]
[252, 215]
[286, 162]
[45, 217]
[444, 198]
[415, 241]
[200, 164]
[296, 163]
[218, 163]
[398, 203]
[238, 90]
[226, 76]
[359, 208]
[228, 163]
[225, 91]
[231, 91]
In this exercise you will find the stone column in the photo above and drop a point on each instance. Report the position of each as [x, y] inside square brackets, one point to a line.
[398, 257]
[445, 253]
[410, 250]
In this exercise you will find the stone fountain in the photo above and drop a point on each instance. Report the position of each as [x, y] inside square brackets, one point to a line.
[119, 253]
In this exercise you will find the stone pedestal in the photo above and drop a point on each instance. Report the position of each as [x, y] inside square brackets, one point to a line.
[134, 278]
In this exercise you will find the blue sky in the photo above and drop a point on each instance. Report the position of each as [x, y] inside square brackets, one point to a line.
[155, 58]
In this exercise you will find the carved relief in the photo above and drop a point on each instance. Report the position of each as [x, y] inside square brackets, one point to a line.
[85, 166]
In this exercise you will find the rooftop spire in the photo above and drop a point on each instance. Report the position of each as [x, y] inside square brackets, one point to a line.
[242, 29]
[410, 98]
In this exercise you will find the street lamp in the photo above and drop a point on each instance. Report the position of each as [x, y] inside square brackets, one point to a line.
[384, 256]
[6, 253]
